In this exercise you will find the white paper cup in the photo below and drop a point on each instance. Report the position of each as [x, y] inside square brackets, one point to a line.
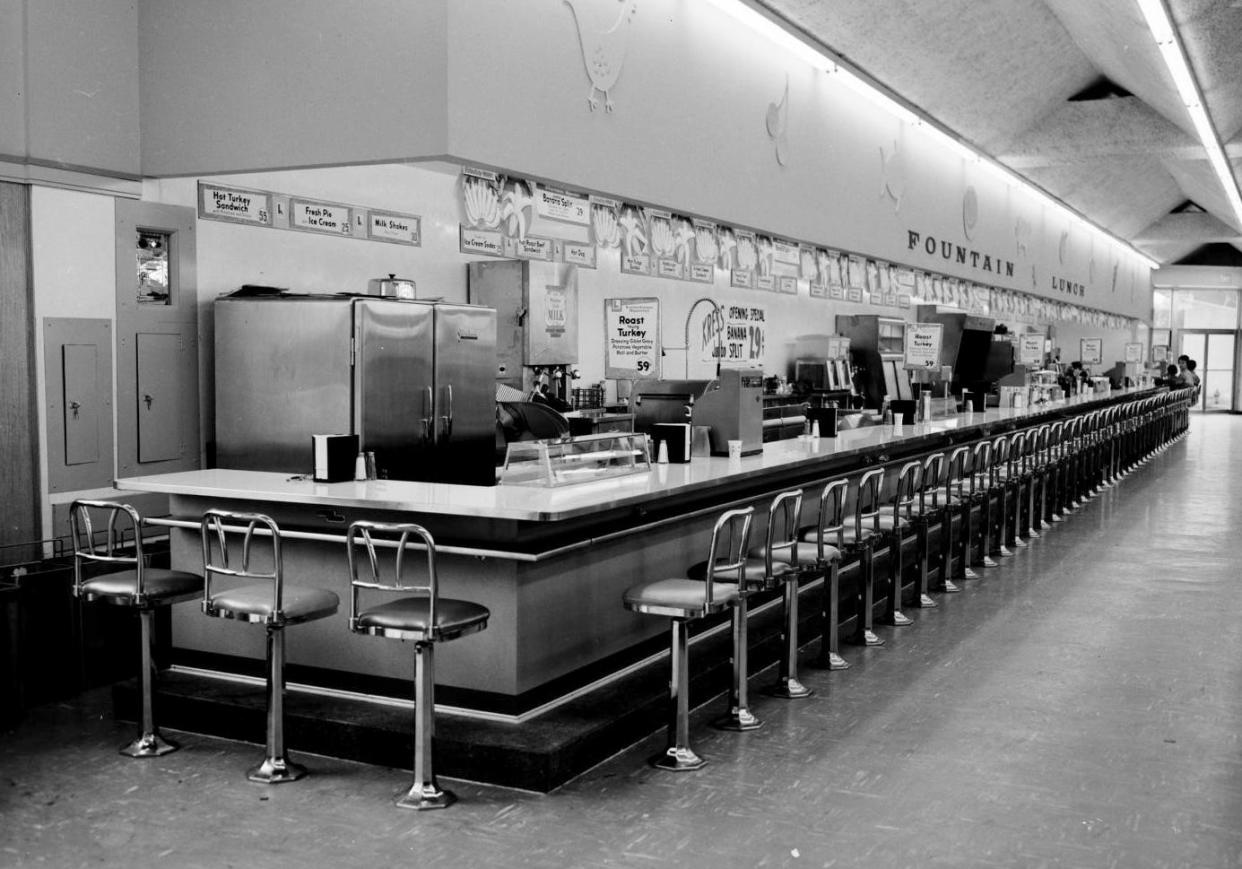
[735, 449]
[662, 453]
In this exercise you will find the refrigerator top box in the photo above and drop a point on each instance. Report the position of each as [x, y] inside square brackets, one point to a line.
[413, 380]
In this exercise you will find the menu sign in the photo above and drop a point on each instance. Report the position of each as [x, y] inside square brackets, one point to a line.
[565, 207]
[632, 338]
[394, 228]
[234, 204]
[1134, 352]
[320, 217]
[1092, 351]
[922, 347]
[1030, 349]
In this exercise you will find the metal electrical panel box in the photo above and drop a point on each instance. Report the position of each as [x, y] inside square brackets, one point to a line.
[536, 312]
[159, 396]
[77, 357]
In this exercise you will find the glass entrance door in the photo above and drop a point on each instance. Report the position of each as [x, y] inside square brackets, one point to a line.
[1215, 352]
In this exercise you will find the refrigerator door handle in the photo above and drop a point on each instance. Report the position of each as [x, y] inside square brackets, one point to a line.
[447, 418]
[428, 418]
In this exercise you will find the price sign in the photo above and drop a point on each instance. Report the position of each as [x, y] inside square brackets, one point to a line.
[632, 339]
[1134, 352]
[922, 347]
[234, 204]
[1031, 350]
[1091, 351]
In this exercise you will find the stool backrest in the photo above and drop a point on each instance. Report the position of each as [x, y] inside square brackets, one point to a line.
[727, 552]
[999, 459]
[370, 536]
[868, 503]
[906, 493]
[980, 463]
[121, 546]
[929, 481]
[251, 528]
[955, 476]
[1056, 443]
[783, 518]
[831, 519]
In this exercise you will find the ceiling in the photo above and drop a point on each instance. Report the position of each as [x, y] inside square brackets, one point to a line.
[1072, 94]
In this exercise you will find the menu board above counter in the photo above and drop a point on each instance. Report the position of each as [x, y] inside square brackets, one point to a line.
[270, 210]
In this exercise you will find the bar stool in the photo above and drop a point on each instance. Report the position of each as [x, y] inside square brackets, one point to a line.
[1056, 463]
[420, 615]
[998, 486]
[683, 601]
[267, 601]
[781, 563]
[895, 524]
[830, 524]
[861, 540]
[110, 577]
[931, 510]
[1021, 474]
[981, 489]
[956, 501]
[1038, 439]
[760, 572]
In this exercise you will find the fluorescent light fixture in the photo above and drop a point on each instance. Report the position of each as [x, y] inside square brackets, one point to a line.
[1167, 40]
[802, 46]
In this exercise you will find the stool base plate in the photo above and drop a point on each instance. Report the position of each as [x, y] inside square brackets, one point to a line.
[678, 760]
[428, 796]
[986, 562]
[275, 771]
[867, 638]
[789, 689]
[947, 587]
[1005, 552]
[925, 602]
[968, 573]
[898, 620]
[149, 745]
[834, 662]
[740, 720]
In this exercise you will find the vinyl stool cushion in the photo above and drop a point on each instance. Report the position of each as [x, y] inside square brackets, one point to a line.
[755, 571]
[453, 617]
[299, 604]
[158, 586]
[679, 598]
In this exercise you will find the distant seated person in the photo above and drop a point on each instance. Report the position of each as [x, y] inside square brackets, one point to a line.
[1173, 377]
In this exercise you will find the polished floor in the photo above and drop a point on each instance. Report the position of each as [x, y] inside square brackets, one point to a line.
[1078, 706]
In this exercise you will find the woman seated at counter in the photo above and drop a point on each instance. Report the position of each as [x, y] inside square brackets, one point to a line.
[521, 420]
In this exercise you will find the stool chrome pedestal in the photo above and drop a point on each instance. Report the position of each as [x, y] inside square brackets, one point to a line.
[114, 571]
[685, 600]
[264, 600]
[411, 611]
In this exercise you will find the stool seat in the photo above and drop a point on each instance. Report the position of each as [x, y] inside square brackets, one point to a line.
[811, 535]
[407, 619]
[159, 587]
[781, 555]
[253, 603]
[755, 571]
[677, 598]
[123, 574]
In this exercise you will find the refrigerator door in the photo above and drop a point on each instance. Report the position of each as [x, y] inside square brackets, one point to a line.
[282, 374]
[393, 382]
[465, 391]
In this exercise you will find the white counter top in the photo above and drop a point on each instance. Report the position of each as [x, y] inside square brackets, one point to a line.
[533, 503]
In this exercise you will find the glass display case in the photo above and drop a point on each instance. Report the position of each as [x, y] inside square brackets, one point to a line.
[575, 460]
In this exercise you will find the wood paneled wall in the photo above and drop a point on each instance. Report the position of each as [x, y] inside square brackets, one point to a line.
[19, 482]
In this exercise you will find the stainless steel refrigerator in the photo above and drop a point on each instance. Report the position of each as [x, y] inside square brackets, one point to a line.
[414, 380]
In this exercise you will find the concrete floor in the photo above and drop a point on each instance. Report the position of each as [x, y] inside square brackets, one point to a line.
[1080, 705]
